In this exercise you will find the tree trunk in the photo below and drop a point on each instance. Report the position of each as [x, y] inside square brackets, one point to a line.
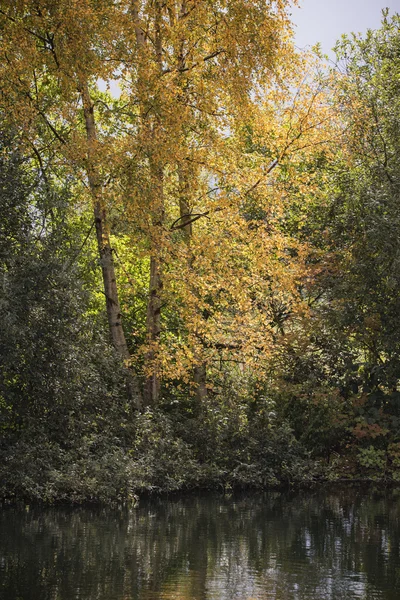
[113, 308]
[199, 370]
[153, 326]
[152, 384]
[200, 379]
[153, 315]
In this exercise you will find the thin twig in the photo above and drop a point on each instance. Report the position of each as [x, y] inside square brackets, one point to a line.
[69, 265]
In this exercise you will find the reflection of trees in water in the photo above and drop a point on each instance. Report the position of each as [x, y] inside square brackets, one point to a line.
[267, 546]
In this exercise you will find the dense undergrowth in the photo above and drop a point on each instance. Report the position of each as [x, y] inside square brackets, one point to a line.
[94, 458]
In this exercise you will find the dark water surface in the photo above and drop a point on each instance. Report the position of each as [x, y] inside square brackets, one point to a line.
[310, 545]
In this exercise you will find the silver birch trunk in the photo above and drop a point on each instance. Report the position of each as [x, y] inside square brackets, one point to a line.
[113, 308]
[152, 384]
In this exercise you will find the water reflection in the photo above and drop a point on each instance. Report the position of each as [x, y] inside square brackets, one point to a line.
[307, 546]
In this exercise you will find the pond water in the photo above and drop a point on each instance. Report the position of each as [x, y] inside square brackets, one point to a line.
[304, 546]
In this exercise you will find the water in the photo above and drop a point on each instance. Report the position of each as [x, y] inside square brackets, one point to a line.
[306, 546]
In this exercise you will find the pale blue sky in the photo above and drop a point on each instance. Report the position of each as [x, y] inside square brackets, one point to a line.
[325, 20]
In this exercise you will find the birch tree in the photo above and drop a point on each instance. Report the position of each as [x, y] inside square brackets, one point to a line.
[50, 54]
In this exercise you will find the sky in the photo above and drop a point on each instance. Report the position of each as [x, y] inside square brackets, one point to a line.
[325, 21]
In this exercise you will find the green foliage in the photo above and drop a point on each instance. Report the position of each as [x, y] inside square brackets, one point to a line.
[160, 460]
[372, 459]
[339, 386]
[365, 228]
[59, 380]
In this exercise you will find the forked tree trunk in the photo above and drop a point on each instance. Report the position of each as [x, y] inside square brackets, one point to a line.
[113, 308]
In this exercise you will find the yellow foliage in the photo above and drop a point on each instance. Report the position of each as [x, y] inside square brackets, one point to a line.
[203, 155]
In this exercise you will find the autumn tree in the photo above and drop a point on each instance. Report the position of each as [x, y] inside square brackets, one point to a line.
[189, 69]
[231, 274]
[51, 53]
[197, 66]
[173, 156]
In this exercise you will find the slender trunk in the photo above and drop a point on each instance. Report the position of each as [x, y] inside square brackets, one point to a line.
[113, 308]
[153, 315]
[151, 122]
[200, 379]
[199, 370]
[153, 326]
